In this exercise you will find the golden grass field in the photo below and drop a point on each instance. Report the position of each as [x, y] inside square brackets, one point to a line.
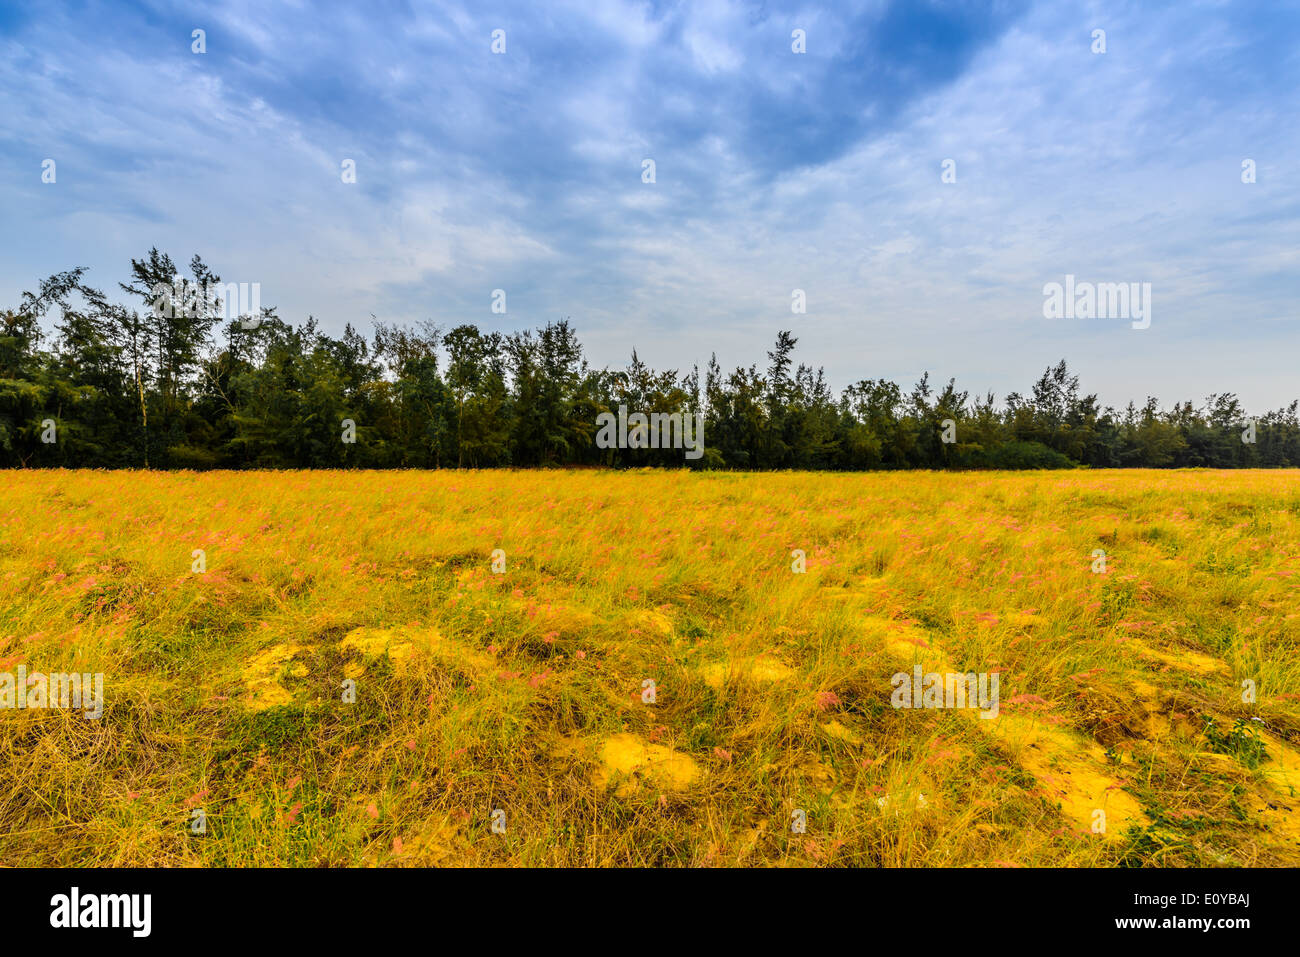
[522, 691]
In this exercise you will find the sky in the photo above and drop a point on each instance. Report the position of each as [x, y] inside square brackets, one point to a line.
[774, 171]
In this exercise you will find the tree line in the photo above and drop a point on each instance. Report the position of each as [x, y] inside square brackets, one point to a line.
[175, 385]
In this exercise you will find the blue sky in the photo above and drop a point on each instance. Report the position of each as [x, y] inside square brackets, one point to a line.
[775, 171]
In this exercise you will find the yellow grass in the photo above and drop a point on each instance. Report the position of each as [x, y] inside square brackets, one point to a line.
[528, 692]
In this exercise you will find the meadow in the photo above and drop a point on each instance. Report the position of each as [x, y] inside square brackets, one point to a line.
[558, 668]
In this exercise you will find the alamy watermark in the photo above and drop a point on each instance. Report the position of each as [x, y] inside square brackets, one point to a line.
[227, 300]
[75, 909]
[1099, 300]
[58, 690]
[935, 690]
[658, 430]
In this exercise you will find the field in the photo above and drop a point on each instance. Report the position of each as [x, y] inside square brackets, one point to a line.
[231, 615]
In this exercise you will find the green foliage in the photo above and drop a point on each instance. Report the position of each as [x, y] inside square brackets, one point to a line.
[1023, 455]
[1242, 742]
[167, 385]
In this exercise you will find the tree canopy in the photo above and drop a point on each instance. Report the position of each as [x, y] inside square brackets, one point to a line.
[138, 386]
